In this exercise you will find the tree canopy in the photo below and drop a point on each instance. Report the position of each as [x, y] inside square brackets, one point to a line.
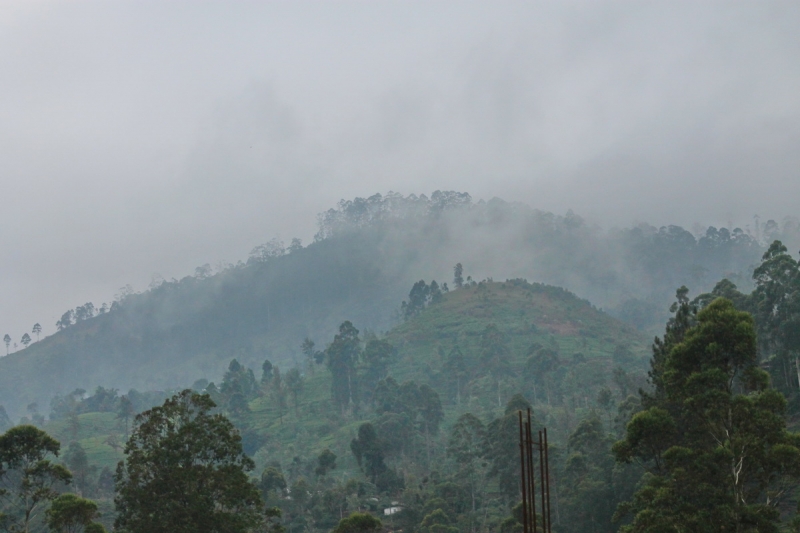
[715, 445]
[29, 475]
[185, 471]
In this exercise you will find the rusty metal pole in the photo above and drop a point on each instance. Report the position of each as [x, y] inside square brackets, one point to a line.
[531, 473]
[547, 476]
[542, 485]
[522, 476]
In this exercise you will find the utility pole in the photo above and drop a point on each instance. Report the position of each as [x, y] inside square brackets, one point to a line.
[530, 522]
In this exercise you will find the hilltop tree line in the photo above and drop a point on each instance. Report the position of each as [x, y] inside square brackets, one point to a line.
[25, 340]
[69, 318]
[629, 271]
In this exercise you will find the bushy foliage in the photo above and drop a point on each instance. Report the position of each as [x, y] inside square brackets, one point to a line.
[185, 471]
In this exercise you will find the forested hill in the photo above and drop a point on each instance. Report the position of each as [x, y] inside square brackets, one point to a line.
[465, 354]
[364, 259]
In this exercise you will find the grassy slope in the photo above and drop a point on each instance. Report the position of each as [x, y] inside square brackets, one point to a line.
[92, 432]
[526, 313]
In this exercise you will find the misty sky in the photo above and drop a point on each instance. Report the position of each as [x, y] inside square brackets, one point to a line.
[143, 138]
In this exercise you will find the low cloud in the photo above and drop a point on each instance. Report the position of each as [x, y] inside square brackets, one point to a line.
[142, 138]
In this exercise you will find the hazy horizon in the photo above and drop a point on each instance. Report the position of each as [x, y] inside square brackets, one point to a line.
[148, 138]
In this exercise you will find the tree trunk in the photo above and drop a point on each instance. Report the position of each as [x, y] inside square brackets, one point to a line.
[349, 387]
[472, 515]
[797, 367]
[427, 447]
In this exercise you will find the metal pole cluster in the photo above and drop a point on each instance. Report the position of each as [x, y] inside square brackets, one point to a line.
[531, 523]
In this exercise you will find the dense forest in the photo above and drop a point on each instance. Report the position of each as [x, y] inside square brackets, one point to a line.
[332, 389]
[365, 256]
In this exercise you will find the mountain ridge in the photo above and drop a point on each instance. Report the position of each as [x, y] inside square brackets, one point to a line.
[367, 254]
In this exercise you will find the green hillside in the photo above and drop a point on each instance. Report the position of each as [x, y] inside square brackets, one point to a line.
[587, 351]
[587, 345]
[424, 417]
[184, 329]
[527, 313]
[366, 255]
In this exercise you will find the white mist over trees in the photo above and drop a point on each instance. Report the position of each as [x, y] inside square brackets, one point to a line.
[366, 255]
